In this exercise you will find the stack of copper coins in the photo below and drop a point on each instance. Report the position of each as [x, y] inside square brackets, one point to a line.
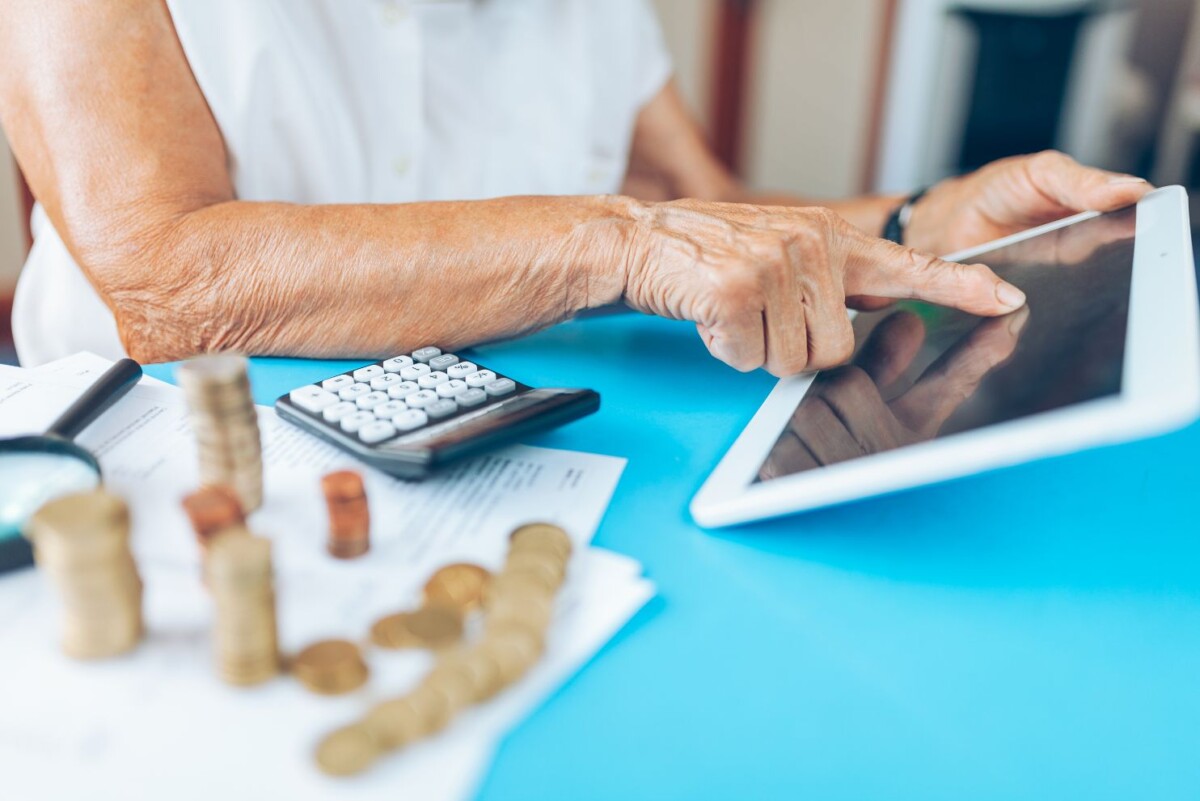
[349, 517]
[214, 511]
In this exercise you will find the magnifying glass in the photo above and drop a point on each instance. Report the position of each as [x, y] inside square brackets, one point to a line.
[35, 469]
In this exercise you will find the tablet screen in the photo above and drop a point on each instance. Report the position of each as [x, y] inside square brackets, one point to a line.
[920, 372]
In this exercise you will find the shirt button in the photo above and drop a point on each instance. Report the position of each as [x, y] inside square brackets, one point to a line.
[401, 165]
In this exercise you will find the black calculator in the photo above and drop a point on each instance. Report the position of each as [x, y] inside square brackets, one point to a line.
[410, 414]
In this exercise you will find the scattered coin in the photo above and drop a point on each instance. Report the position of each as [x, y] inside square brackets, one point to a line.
[330, 667]
[431, 626]
[347, 751]
[461, 585]
[542, 537]
[213, 511]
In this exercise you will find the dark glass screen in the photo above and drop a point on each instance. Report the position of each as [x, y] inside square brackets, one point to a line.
[920, 372]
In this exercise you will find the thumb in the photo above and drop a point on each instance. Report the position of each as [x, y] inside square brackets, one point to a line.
[879, 267]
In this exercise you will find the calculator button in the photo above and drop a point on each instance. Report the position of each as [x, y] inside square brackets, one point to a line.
[471, 397]
[353, 392]
[443, 407]
[368, 372]
[425, 354]
[432, 380]
[376, 432]
[371, 400]
[386, 380]
[421, 399]
[409, 420]
[388, 410]
[397, 363]
[480, 378]
[500, 387]
[461, 370]
[452, 388]
[415, 371]
[443, 361]
[337, 382]
[353, 422]
[312, 398]
[337, 411]
[402, 390]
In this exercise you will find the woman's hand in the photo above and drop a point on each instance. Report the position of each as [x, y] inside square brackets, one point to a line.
[1012, 195]
[768, 286]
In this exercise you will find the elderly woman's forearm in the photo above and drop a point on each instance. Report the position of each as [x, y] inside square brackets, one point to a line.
[356, 280]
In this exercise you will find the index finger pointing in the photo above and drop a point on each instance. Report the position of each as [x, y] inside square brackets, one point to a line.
[882, 268]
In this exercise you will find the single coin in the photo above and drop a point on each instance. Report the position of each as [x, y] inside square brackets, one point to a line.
[330, 667]
[395, 723]
[346, 751]
[213, 509]
[542, 536]
[456, 681]
[461, 585]
[431, 626]
[435, 705]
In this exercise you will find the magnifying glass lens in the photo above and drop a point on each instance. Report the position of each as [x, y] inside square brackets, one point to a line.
[28, 480]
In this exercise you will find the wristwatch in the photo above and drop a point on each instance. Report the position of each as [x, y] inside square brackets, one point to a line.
[897, 223]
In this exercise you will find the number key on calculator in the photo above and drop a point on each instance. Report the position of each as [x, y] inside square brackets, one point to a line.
[410, 414]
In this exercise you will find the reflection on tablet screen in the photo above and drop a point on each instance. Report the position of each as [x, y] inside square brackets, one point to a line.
[921, 372]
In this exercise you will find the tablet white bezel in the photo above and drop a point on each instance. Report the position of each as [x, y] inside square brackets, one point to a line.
[1160, 391]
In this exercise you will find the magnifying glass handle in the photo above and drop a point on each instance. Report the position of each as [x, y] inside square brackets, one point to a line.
[107, 390]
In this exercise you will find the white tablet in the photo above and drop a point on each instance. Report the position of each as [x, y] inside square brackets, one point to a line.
[1107, 349]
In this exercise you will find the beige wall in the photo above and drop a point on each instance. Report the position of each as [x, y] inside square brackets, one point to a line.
[12, 245]
[808, 115]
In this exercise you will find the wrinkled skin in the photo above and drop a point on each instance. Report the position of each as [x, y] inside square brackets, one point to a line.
[119, 145]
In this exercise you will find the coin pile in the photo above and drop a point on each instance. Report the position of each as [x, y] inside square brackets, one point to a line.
[243, 589]
[226, 425]
[214, 511]
[82, 541]
[517, 604]
[330, 667]
[349, 516]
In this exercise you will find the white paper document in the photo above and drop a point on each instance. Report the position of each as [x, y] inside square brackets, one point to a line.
[159, 724]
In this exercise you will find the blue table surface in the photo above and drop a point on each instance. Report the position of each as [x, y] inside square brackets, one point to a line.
[1029, 633]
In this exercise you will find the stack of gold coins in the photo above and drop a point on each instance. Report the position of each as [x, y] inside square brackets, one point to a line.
[517, 604]
[245, 637]
[330, 667]
[82, 541]
[349, 516]
[226, 425]
[214, 511]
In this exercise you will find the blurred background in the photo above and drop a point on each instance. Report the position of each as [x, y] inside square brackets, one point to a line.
[837, 97]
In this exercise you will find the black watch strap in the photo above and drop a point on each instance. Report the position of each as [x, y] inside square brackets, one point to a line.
[897, 223]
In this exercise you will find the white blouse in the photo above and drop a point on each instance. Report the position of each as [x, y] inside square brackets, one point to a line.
[387, 101]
